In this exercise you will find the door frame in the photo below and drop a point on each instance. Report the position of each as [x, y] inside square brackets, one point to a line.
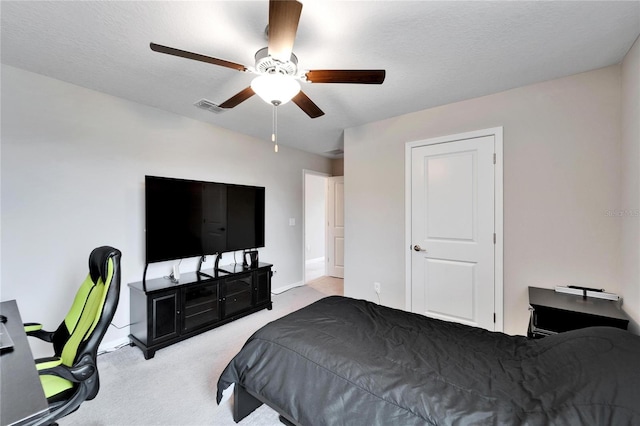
[496, 132]
[306, 172]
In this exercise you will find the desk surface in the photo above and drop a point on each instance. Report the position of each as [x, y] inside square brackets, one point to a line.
[543, 297]
[21, 394]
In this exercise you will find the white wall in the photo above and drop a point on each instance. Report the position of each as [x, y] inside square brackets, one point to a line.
[337, 167]
[314, 224]
[73, 167]
[630, 203]
[561, 175]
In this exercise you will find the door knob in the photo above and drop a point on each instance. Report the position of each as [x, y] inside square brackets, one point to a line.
[418, 248]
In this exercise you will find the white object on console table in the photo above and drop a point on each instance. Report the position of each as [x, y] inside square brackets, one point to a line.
[596, 294]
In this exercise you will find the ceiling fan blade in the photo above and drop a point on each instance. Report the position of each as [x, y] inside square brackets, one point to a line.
[307, 105]
[346, 76]
[284, 16]
[196, 57]
[238, 98]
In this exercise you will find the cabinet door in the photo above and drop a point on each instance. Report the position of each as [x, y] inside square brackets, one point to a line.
[263, 286]
[201, 305]
[238, 294]
[164, 316]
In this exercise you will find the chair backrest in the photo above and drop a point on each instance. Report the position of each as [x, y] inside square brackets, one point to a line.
[93, 307]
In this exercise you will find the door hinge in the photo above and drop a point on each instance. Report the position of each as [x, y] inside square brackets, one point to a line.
[494, 238]
[494, 158]
[494, 317]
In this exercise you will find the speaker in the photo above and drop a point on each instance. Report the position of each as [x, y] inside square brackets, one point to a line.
[251, 259]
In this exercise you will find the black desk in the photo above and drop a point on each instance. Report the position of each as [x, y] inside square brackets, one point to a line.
[21, 394]
[553, 312]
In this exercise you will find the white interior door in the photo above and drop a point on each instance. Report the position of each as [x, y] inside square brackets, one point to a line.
[335, 226]
[452, 231]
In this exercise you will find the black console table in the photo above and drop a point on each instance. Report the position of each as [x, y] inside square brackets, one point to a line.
[163, 312]
[553, 312]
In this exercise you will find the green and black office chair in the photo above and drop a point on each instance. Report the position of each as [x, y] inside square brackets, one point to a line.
[70, 377]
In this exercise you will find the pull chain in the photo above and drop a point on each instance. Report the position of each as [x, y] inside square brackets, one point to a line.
[274, 135]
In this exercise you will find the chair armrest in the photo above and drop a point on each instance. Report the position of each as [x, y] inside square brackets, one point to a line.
[34, 329]
[79, 372]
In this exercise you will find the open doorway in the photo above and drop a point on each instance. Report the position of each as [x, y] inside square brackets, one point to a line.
[323, 236]
[315, 222]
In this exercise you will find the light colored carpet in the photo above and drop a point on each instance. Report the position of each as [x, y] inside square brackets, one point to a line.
[178, 386]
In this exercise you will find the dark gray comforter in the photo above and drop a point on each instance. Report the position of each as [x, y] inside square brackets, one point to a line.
[342, 361]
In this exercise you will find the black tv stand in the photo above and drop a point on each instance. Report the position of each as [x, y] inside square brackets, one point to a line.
[204, 274]
[164, 313]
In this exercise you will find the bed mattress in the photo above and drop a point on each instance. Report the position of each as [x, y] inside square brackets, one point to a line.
[346, 361]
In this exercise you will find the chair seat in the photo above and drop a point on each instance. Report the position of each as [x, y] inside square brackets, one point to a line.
[55, 387]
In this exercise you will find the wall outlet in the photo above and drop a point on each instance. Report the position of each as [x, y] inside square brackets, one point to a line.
[376, 287]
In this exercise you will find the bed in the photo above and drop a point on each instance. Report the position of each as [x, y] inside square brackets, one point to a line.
[342, 361]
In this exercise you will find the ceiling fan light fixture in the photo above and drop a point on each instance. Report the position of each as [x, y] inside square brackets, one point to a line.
[275, 89]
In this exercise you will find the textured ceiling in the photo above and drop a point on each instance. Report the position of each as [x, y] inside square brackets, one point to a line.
[434, 53]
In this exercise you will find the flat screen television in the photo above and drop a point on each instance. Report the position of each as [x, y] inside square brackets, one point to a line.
[188, 218]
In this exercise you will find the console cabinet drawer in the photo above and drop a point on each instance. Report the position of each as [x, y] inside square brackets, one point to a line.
[237, 302]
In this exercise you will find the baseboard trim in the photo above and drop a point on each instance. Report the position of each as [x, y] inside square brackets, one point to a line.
[113, 345]
[286, 287]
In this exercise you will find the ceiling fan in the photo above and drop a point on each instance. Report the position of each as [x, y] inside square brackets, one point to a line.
[277, 66]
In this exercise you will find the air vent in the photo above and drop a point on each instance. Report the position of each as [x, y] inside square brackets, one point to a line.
[336, 152]
[209, 106]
